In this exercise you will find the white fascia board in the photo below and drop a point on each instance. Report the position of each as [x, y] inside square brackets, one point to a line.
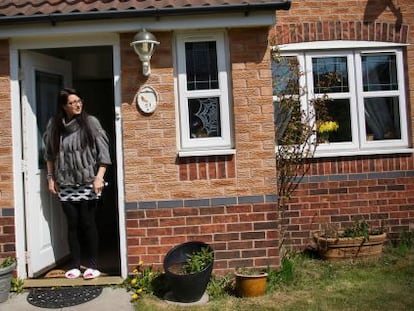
[169, 23]
[62, 41]
[336, 44]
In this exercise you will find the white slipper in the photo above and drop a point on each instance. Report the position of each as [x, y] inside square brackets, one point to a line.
[72, 274]
[91, 274]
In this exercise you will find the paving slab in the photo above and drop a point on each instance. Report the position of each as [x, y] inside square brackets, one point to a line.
[110, 299]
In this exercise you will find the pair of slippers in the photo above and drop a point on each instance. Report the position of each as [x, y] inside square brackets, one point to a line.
[87, 275]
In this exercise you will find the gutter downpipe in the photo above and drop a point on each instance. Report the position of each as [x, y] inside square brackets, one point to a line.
[158, 13]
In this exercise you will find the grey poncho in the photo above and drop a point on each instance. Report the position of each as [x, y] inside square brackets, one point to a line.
[74, 164]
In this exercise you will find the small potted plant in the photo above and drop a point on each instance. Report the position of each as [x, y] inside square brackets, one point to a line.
[188, 267]
[7, 266]
[358, 240]
[250, 282]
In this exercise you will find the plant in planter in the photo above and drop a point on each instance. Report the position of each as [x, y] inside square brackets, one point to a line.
[250, 282]
[357, 241]
[188, 267]
[198, 261]
[6, 272]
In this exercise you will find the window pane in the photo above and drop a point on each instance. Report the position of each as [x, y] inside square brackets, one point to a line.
[204, 116]
[285, 76]
[201, 62]
[289, 125]
[338, 110]
[379, 72]
[382, 118]
[330, 74]
[47, 88]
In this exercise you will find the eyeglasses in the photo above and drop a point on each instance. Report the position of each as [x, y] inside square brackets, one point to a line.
[77, 101]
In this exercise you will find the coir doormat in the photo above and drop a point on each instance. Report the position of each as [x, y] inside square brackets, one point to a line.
[61, 297]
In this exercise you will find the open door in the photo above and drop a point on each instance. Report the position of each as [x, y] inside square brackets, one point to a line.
[42, 77]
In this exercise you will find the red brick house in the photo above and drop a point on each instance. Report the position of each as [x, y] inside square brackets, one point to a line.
[201, 166]
[366, 171]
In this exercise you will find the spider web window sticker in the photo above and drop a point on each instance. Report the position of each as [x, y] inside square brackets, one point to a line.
[204, 117]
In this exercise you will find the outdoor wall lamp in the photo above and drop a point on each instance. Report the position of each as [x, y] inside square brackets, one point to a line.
[144, 44]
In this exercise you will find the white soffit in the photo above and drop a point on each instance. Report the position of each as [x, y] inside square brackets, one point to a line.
[206, 21]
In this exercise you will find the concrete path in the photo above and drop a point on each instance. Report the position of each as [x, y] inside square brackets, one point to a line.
[111, 299]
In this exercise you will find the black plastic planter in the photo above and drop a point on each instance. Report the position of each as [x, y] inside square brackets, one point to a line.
[186, 287]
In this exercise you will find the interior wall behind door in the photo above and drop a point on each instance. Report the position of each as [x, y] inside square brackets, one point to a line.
[98, 96]
[93, 78]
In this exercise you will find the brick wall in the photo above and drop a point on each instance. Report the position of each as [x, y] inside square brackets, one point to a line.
[153, 169]
[341, 190]
[227, 201]
[243, 234]
[7, 238]
[377, 189]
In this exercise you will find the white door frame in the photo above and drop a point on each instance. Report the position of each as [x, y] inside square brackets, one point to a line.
[53, 42]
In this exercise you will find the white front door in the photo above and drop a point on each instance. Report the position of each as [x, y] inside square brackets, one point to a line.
[42, 77]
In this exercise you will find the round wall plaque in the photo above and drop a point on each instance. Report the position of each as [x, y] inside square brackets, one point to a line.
[147, 99]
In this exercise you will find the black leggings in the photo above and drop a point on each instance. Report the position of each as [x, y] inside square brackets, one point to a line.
[81, 215]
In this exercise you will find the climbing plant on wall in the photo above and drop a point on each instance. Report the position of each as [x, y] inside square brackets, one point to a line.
[296, 128]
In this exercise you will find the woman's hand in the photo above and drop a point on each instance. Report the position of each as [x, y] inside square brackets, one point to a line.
[98, 185]
[52, 185]
[99, 181]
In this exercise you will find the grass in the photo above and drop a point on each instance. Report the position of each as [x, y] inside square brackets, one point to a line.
[305, 283]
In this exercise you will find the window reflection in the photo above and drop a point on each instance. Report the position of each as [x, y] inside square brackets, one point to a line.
[330, 74]
[382, 118]
[285, 76]
[201, 65]
[379, 72]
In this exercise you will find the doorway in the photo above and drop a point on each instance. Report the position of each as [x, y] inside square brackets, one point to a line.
[91, 73]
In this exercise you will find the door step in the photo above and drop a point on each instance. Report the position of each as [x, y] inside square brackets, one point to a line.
[56, 282]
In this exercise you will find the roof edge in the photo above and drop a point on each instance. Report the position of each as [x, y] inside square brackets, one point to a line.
[76, 16]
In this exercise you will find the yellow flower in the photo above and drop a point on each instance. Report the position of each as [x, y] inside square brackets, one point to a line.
[135, 271]
[139, 291]
[328, 126]
[134, 297]
[133, 281]
[140, 263]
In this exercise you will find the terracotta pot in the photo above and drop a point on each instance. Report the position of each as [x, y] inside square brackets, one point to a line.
[253, 285]
[344, 248]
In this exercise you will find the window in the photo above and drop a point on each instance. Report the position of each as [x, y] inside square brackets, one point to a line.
[203, 93]
[366, 96]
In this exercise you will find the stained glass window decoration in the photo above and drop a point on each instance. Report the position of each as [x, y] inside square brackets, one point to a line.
[204, 116]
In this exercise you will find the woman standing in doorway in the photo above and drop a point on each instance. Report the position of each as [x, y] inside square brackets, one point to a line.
[77, 155]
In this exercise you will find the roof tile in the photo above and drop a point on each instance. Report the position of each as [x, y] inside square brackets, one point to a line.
[13, 8]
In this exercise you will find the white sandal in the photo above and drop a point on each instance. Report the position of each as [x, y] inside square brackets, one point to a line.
[91, 274]
[72, 274]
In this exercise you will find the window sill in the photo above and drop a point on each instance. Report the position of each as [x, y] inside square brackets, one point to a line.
[201, 153]
[344, 153]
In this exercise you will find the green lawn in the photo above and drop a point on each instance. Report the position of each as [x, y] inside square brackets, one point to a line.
[312, 284]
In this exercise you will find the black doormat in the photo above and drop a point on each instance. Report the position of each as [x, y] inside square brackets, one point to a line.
[61, 297]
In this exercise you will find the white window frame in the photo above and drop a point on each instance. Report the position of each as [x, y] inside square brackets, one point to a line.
[205, 145]
[353, 51]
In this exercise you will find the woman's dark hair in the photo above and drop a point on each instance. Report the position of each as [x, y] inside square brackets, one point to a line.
[57, 124]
